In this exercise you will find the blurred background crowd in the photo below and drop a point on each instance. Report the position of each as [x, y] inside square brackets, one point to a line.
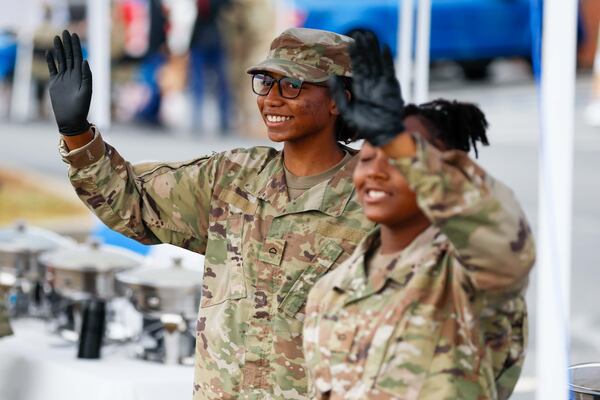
[174, 63]
[180, 64]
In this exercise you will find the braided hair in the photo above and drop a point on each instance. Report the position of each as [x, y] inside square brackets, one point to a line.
[456, 124]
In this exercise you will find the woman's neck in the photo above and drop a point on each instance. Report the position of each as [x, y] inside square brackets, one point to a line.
[397, 237]
[303, 159]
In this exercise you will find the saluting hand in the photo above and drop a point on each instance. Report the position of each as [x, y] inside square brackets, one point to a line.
[70, 85]
[376, 107]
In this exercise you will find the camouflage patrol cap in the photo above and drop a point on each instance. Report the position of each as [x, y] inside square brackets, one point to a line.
[309, 54]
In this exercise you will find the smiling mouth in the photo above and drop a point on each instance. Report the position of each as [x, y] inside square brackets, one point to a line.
[373, 195]
[277, 119]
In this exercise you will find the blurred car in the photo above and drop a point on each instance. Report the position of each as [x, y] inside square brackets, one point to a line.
[471, 32]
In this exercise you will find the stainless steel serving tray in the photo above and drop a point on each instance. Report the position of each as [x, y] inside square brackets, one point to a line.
[88, 270]
[164, 290]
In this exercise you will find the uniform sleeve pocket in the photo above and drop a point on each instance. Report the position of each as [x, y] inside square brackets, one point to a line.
[224, 265]
[296, 297]
[224, 262]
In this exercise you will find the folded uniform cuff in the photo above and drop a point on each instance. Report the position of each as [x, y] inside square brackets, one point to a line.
[86, 155]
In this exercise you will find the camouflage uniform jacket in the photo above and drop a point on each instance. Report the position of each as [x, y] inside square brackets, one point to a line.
[4, 321]
[262, 252]
[446, 319]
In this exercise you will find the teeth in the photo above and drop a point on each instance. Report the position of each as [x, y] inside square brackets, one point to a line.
[375, 194]
[277, 118]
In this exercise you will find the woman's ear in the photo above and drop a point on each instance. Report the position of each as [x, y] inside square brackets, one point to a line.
[334, 108]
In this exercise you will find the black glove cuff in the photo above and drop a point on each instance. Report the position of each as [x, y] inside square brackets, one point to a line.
[75, 130]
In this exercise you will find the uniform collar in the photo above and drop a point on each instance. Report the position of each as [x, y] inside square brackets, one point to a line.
[269, 185]
[423, 251]
[354, 278]
[329, 197]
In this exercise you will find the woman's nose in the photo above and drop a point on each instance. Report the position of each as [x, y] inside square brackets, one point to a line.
[273, 97]
[378, 168]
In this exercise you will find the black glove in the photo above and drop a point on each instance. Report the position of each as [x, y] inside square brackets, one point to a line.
[377, 107]
[70, 85]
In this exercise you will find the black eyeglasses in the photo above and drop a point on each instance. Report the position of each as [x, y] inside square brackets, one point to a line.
[289, 88]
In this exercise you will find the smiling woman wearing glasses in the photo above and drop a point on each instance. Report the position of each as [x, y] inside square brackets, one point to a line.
[269, 222]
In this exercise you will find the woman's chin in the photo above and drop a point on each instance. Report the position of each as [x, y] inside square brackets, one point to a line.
[277, 136]
[376, 214]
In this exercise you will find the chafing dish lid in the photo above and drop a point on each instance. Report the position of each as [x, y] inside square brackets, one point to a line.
[585, 378]
[7, 278]
[92, 257]
[174, 276]
[22, 238]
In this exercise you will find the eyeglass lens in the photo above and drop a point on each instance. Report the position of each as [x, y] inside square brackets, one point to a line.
[288, 87]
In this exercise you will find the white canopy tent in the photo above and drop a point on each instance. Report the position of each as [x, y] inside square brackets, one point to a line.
[557, 102]
[22, 17]
[413, 74]
[99, 27]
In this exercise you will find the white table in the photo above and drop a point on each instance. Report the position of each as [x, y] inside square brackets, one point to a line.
[35, 365]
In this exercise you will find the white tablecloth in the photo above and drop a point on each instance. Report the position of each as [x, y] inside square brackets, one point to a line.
[35, 365]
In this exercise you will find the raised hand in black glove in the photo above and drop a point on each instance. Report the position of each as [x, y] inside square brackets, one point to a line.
[70, 85]
[376, 107]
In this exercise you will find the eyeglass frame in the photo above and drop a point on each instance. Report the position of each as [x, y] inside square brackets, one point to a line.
[302, 82]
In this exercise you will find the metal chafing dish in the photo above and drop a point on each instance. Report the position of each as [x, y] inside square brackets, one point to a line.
[584, 381]
[83, 279]
[7, 280]
[20, 247]
[88, 270]
[157, 290]
[168, 298]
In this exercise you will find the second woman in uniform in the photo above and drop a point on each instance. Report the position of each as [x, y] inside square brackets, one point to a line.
[431, 304]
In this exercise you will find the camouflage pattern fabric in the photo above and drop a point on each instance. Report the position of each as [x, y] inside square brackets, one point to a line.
[311, 55]
[5, 329]
[263, 252]
[446, 319]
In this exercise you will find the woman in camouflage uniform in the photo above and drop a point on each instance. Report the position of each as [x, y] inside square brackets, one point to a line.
[431, 304]
[269, 222]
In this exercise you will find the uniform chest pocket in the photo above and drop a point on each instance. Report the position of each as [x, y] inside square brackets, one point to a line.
[224, 262]
[295, 299]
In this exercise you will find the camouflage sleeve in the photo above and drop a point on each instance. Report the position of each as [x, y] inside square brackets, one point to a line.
[151, 202]
[479, 215]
